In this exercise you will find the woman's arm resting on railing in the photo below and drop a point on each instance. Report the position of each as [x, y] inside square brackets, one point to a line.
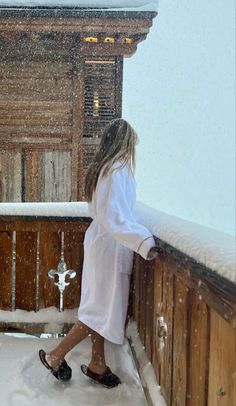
[115, 215]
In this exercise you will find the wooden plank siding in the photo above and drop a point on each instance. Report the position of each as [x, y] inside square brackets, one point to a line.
[167, 312]
[222, 369]
[180, 344]
[6, 270]
[36, 104]
[25, 292]
[195, 360]
[48, 124]
[35, 250]
[74, 254]
[10, 176]
[198, 342]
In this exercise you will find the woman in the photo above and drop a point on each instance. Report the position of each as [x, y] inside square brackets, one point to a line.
[109, 244]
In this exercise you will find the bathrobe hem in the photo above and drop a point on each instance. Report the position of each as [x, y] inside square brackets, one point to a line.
[98, 330]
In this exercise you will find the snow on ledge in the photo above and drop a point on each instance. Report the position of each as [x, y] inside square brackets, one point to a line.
[146, 370]
[212, 248]
[59, 209]
[50, 316]
[129, 5]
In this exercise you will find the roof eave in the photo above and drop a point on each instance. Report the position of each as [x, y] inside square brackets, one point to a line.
[87, 13]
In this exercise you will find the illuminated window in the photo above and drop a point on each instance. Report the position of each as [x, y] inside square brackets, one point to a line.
[110, 40]
[91, 39]
[129, 41]
[96, 104]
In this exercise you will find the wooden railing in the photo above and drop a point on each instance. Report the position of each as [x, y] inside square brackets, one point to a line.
[29, 248]
[185, 313]
[186, 318]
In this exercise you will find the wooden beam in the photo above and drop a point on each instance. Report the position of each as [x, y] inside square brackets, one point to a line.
[222, 371]
[31, 175]
[43, 224]
[119, 85]
[126, 25]
[108, 49]
[77, 175]
[6, 270]
[26, 247]
[198, 351]
[57, 144]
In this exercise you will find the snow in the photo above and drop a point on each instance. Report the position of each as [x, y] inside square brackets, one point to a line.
[139, 5]
[210, 247]
[60, 209]
[146, 370]
[24, 380]
[51, 317]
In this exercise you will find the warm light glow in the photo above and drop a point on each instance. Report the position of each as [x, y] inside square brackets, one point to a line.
[129, 40]
[91, 39]
[111, 40]
[96, 104]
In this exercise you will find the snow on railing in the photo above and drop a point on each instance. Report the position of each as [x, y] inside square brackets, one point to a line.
[209, 247]
[47, 209]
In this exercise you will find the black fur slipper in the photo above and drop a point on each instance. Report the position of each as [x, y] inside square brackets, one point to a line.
[62, 373]
[107, 379]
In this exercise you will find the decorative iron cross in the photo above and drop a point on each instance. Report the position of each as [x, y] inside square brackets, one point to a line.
[61, 272]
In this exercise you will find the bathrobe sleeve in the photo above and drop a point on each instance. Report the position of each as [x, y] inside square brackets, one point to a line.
[114, 212]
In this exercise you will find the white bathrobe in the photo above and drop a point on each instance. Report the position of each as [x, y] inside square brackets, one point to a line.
[108, 254]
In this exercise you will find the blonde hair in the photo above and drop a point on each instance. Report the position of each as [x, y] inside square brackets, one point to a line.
[117, 144]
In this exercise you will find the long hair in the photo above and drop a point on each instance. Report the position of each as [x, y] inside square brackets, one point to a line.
[117, 144]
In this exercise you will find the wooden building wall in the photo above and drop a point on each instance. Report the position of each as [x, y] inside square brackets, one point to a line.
[54, 105]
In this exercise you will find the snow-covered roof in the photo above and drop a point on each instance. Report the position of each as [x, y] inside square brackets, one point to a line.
[142, 5]
[209, 247]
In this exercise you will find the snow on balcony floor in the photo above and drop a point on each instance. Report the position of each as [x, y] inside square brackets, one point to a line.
[24, 381]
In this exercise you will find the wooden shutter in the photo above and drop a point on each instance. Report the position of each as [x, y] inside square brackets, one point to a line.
[102, 100]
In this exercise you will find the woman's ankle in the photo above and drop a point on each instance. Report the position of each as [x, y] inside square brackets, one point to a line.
[98, 366]
[53, 360]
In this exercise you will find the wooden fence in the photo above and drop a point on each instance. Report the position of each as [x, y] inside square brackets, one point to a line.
[186, 314]
[29, 248]
[186, 317]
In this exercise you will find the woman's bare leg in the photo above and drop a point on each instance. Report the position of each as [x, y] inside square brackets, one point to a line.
[97, 363]
[78, 332]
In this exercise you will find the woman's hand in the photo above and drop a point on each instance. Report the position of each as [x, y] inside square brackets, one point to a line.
[153, 253]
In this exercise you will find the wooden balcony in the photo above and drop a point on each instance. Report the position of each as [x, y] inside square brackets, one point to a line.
[185, 312]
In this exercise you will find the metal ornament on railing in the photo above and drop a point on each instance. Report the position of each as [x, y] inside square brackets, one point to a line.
[161, 332]
[62, 272]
